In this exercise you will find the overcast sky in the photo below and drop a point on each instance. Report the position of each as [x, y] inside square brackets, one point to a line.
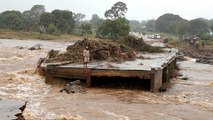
[137, 9]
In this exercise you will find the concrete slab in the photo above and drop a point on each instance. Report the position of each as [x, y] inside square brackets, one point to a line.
[151, 67]
[154, 60]
[11, 110]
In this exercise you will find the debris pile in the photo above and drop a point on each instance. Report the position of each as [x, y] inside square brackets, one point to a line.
[138, 44]
[202, 56]
[73, 87]
[36, 47]
[53, 53]
[122, 50]
[98, 50]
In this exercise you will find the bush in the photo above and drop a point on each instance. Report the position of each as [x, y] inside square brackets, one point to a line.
[113, 29]
[205, 36]
[76, 32]
[86, 28]
[51, 29]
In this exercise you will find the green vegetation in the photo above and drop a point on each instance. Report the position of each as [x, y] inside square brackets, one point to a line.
[117, 26]
[31, 18]
[197, 26]
[52, 25]
[96, 21]
[78, 19]
[167, 23]
[63, 22]
[9, 34]
[182, 27]
[113, 29]
[37, 20]
[205, 37]
[51, 29]
[86, 28]
[46, 19]
[176, 26]
[118, 10]
[184, 45]
[11, 20]
[136, 26]
[181, 44]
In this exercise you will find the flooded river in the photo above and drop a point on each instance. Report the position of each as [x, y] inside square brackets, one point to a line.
[184, 100]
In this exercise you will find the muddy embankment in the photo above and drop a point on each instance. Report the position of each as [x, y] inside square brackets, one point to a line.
[185, 99]
[204, 56]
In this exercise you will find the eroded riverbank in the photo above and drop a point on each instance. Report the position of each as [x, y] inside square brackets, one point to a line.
[191, 99]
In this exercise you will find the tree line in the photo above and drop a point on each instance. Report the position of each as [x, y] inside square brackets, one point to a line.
[113, 26]
[66, 22]
[174, 24]
[38, 20]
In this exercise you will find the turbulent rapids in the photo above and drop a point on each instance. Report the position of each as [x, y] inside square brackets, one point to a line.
[184, 99]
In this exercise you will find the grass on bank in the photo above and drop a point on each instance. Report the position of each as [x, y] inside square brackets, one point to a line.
[32, 35]
[27, 35]
[184, 45]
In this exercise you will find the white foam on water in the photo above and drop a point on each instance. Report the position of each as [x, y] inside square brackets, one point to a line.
[112, 114]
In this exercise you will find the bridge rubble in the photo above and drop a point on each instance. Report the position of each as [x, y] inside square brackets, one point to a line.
[156, 68]
[12, 110]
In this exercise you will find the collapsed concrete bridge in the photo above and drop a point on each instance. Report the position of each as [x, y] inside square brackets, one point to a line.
[157, 69]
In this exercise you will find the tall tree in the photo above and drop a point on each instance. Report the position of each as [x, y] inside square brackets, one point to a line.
[96, 20]
[167, 23]
[113, 29]
[86, 28]
[208, 22]
[46, 19]
[51, 28]
[78, 18]
[118, 10]
[135, 26]
[37, 10]
[64, 20]
[212, 27]
[118, 26]
[31, 17]
[11, 20]
[150, 25]
[27, 19]
[182, 28]
[197, 26]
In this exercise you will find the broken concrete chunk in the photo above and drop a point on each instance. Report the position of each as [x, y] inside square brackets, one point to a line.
[36, 47]
[73, 87]
[12, 110]
[184, 78]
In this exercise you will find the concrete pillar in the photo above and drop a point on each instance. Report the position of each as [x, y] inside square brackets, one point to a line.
[156, 80]
[165, 74]
[88, 81]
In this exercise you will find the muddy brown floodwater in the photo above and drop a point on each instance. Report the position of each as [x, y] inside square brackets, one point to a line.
[184, 100]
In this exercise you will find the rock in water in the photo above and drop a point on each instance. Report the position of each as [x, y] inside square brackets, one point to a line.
[185, 78]
[73, 87]
[36, 47]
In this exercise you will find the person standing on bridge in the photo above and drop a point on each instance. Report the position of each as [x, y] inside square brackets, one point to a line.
[86, 56]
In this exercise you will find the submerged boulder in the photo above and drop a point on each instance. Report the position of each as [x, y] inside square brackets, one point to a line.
[36, 47]
[73, 87]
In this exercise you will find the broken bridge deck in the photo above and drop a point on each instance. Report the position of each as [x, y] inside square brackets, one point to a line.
[158, 69]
